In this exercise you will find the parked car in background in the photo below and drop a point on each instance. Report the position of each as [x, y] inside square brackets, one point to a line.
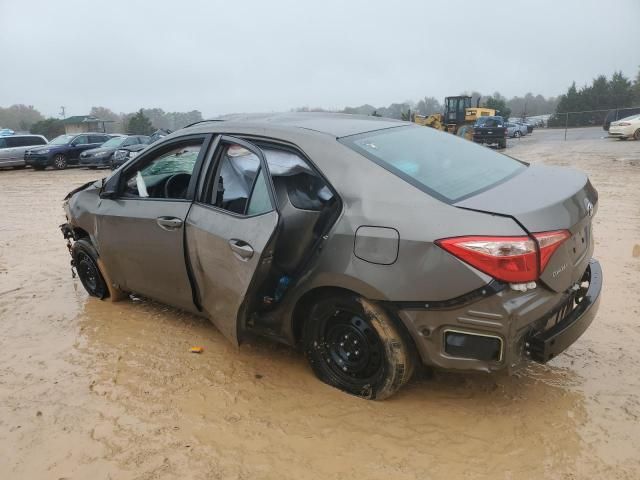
[123, 155]
[63, 150]
[513, 130]
[158, 134]
[6, 132]
[527, 127]
[626, 128]
[12, 149]
[277, 226]
[618, 114]
[490, 131]
[103, 155]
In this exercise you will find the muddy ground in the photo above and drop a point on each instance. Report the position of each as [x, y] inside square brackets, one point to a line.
[101, 390]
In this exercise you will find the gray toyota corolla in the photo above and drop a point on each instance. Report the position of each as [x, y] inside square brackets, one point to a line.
[371, 244]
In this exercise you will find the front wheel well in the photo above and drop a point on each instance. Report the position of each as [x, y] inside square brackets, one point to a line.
[79, 233]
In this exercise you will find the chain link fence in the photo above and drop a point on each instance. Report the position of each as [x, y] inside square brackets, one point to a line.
[587, 118]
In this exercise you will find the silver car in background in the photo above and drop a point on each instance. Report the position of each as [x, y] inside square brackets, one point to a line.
[12, 148]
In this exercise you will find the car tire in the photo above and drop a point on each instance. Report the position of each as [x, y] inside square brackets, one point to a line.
[636, 134]
[502, 143]
[356, 346]
[517, 134]
[59, 162]
[86, 264]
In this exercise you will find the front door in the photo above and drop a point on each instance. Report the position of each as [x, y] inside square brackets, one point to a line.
[230, 232]
[140, 234]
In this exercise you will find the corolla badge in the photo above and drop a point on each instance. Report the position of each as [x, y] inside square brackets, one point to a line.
[589, 206]
[559, 271]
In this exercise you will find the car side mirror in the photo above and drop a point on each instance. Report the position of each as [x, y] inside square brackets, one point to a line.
[110, 188]
[108, 194]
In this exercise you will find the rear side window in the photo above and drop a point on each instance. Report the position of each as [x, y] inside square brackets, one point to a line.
[97, 139]
[11, 142]
[3, 143]
[445, 166]
[34, 141]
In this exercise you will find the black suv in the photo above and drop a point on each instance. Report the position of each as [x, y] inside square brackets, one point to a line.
[63, 150]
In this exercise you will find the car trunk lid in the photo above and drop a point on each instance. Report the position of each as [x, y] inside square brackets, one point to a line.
[543, 199]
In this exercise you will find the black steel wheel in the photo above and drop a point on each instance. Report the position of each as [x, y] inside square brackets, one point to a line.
[84, 260]
[356, 346]
[59, 162]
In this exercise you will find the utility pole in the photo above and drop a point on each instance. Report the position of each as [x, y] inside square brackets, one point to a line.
[62, 112]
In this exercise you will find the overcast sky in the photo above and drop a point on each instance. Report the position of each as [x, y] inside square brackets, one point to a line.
[273, 55]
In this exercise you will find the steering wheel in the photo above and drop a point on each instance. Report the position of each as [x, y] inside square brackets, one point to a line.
[176, 185]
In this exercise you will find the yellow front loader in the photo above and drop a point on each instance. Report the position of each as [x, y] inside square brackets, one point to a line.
[458, 118]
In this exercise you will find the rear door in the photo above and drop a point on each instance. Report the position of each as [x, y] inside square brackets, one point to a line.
[230, 231]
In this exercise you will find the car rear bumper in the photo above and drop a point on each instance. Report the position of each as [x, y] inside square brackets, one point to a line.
[620, 131]
[545, 345]
[515, 323]
[489, 139]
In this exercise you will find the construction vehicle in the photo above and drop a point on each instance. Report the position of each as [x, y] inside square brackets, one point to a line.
[458, 118]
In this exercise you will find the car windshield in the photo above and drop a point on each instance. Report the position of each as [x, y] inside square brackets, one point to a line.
[61, 140]
[114, 142]
[441, 164]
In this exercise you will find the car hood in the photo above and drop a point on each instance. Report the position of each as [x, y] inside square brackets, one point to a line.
[93, 151]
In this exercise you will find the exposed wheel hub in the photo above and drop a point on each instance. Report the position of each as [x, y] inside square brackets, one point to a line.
[352, 347]
[87, 272]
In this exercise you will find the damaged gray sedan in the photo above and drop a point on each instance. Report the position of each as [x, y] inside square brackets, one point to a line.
[371, 244]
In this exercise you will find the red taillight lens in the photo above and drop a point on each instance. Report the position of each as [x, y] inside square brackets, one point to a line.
[549, 243]
[510, 259]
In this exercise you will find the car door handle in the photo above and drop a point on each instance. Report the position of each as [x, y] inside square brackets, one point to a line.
[169, 223]
[242, 248]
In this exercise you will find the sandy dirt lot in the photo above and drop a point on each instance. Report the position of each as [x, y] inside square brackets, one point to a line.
[102, 390]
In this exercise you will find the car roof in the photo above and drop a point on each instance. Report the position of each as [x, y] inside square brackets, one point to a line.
[24, 135]
[333, 124]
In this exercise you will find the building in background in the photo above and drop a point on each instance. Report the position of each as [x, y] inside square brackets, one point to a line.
[83, 124]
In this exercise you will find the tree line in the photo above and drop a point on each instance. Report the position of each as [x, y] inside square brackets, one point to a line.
[525, 106]
[590, 104]
[603, 94]
[596, 99]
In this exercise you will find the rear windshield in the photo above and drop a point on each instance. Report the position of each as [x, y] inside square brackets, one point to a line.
[441, 164]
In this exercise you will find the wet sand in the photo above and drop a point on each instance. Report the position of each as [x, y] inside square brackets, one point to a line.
[102, 390]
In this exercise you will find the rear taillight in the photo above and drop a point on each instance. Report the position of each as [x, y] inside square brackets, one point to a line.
[510, 259]
[549, 243]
